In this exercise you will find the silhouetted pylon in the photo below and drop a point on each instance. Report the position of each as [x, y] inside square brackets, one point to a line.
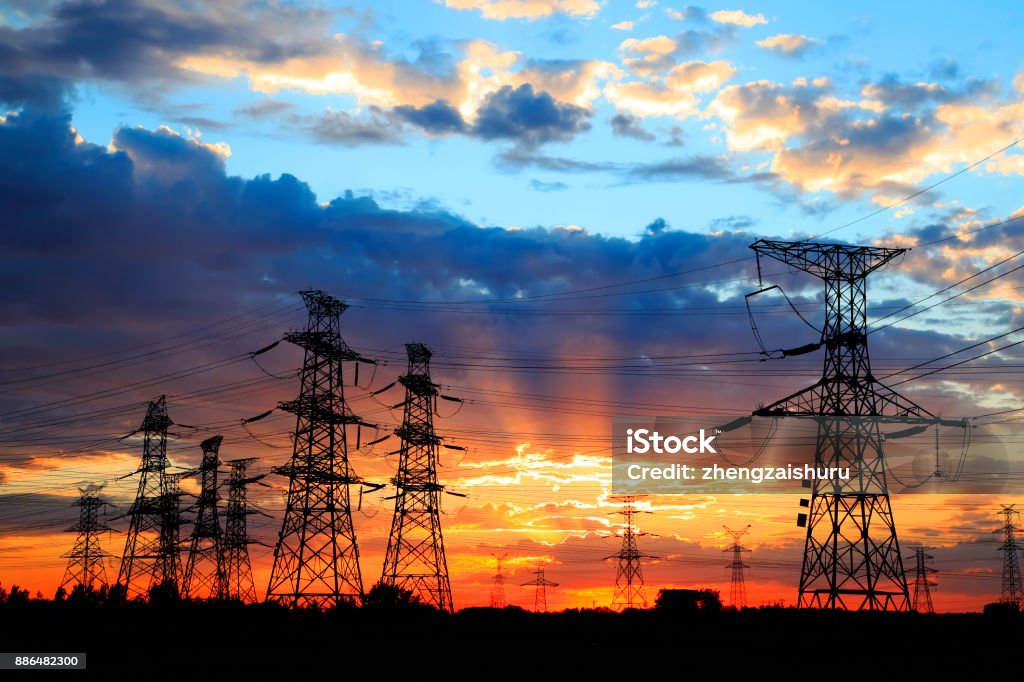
[151, 550]
[498, 585]
[629, 578]
[415, 558]
[205, 573]
[738, 586]
[316, 558]
[852, 557]
[87, 560]
[922, 584]
[1012, 592]
[540, 593]
[237, 566]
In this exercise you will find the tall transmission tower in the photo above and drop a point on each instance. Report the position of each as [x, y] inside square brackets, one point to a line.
[316, 559]
[922, 583]
[237, 566]
[87, 560]
[1012, 592]
[540, 594]
[629, 578]
[151, 550]
[205, 573]
[498, 585]
[415, 558]
[738, 586]
[852, 557]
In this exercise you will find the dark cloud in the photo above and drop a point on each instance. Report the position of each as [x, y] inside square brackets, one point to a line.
[264, 108]
[141, 43]
[893, 91]
[733, 222]
[528, 117]
[706, 167]
[350, 130]
[698, 15]
[522, 157]
[944, 68]
[656, 226]
[541, 186]
[438, 118]
[629, 126]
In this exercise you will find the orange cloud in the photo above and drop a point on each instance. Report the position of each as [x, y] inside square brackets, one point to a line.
[526, 9]
[673, 95]
[738, 17]
[789, 44]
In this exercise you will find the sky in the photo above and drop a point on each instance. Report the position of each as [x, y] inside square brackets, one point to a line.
[556, 196]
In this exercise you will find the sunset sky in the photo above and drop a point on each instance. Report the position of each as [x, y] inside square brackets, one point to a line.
[555, 196]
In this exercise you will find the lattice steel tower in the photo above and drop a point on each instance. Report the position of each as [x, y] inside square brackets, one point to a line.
[738, 585]
[87, 560]
[205, 572]
[852, 556]
[316, 559]
[151, 550]
[237, 567]
[1012, 592]
[922, 583]
[498, 585]
[540, 593]
[629, 578]
[415, 557]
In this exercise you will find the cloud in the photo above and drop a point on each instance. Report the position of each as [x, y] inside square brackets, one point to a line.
[527, 9]
[657, 226]
[732, 222]
[541, 186]
[525, 116]
[264, 108]
[702, 167]
[738, 17]
[623, 26]
[674, 94]
[789, 44]
[438, 118]
[822, 142]
[350, 130]
[625, 125]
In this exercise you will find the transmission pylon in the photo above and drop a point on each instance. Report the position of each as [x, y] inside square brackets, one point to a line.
[415, 558]
[316, 558]
[87, 560]
[205, 574]
[738, 585]
[498, 585]
[237, 566]
[540, 594]
[151, 550]
[1012, 592]
[629, 577]
[852, 557]
[922, 583]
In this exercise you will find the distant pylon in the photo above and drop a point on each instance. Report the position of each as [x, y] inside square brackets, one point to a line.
[1012, 592]
[922, 584]
[540, 594]
[151, 549]
[205, 574]
[498, 585]
[738, 586]
[415, 558]
[316, 559]
[629, 578]
[87, 560]
[237, 566]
